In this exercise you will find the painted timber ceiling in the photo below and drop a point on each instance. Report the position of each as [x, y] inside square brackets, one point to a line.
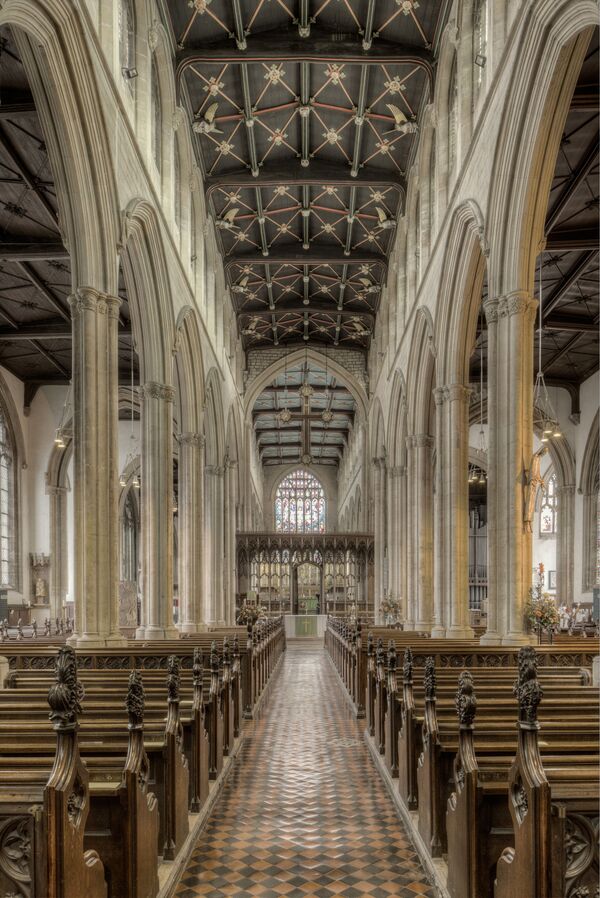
[303, 416]
[307, 117]
[35, 270]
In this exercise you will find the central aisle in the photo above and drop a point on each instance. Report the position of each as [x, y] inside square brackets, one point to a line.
[304, 813]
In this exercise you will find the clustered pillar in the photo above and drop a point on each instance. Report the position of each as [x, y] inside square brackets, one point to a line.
[157, 510]
[95, 317]
[191, 515]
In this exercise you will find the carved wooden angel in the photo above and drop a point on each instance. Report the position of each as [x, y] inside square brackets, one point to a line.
[534, 480]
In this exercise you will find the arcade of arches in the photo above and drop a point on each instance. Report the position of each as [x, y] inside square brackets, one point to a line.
[299, 318]
[196, 346]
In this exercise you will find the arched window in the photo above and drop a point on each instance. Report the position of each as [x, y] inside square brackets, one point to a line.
[155, 115]
[127, 42]
[452, 116]
[549, 508]
[300, 504]
[479, 44]
[8, 517]
[129, 539]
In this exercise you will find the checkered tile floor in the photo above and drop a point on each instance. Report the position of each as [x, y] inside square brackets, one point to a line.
[304, 813]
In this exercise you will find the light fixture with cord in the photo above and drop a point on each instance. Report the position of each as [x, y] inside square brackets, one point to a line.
[477, 474]
[62, 433]
[544, 416]
[132, 454]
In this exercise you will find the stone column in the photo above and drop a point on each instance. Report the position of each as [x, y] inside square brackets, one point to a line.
[510, 400]
[230, 534]
[411, 536]
[457, 513]
[393, 525]
[191, 522]
[214, 547]
[59, 574]
[438, 630]
[95, 468]
[423, 444]
[495, 619]
[157, 510]
[209, 610]
[566, 543]
[379, 531]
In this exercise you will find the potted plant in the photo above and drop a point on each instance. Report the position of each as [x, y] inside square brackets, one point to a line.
[541, 609]
[390, 608]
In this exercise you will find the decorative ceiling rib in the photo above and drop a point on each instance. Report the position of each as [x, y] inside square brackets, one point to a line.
[307, 116]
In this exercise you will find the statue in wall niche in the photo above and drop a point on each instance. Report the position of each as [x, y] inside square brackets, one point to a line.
[534, 481]
[41, 591]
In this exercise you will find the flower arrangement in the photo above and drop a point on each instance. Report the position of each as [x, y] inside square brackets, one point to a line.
[249, 614]
[391, 609]
[541, 609]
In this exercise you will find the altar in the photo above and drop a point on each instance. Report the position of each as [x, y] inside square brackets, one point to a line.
[299, 626]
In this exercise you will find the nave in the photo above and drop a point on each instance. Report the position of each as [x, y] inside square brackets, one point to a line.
[305, 812]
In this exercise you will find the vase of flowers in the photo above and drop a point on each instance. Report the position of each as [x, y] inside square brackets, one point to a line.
[390, 608]
[249, 614]
[541, 609]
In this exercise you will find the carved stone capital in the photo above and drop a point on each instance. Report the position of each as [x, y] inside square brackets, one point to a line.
[458, 393]
[421, 441]
[440, 395]
[490, 308]
[190, 439]
[85, 299]
[113, 305]
[153, 390]
[56, 491]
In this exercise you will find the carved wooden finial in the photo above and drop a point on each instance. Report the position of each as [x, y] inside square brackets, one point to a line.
[197, 666]
[429, 678]
[466, 702]
[214, 658]
[407, 666]
[370, 645]
[66, 693]
[226, 651]
[527, 688]
[135, 700]
[236, 647]
[173, 678]
[392, 656]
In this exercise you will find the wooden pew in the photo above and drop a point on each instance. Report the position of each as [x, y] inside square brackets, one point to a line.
[478, 820]
[42, 825]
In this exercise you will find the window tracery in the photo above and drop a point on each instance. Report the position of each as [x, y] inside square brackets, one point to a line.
[549, 508]
[300, 504]
[8, 522]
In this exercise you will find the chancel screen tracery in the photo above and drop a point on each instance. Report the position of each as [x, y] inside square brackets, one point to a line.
[300, 504]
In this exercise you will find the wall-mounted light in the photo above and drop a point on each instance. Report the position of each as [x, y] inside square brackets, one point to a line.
[480, 60]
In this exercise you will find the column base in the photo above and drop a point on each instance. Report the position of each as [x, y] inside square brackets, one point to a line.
[491, 637]
[460, 633]
[409, 624]
[438, 633]
[191, 627]
[518, 639]
[423, 626]
[140, 633]
[161, 633]
[93, 641]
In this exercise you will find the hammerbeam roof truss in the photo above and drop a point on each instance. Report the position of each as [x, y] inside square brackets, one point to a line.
[307, 118]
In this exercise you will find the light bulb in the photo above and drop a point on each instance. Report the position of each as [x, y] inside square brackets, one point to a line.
[544, 438]
[557, 433]
[122, 480]
[135, 482]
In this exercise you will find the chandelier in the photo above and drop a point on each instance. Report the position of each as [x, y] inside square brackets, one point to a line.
[544, 416]
[62, 431]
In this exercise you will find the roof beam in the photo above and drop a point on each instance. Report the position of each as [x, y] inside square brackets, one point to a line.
[17, 251]
[311, 309]
[52, 329]
[38, 283]
[16, 103]
[571, 323]
[572, 239]
[316, 174]
[558, 355]
[568, 189]
[570, 278]
[586, 97]
[28, 178]
[317, 255]
[286, 46]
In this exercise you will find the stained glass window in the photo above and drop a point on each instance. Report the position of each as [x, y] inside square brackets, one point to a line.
[300, 504]
[549, 508]
[7, 507]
